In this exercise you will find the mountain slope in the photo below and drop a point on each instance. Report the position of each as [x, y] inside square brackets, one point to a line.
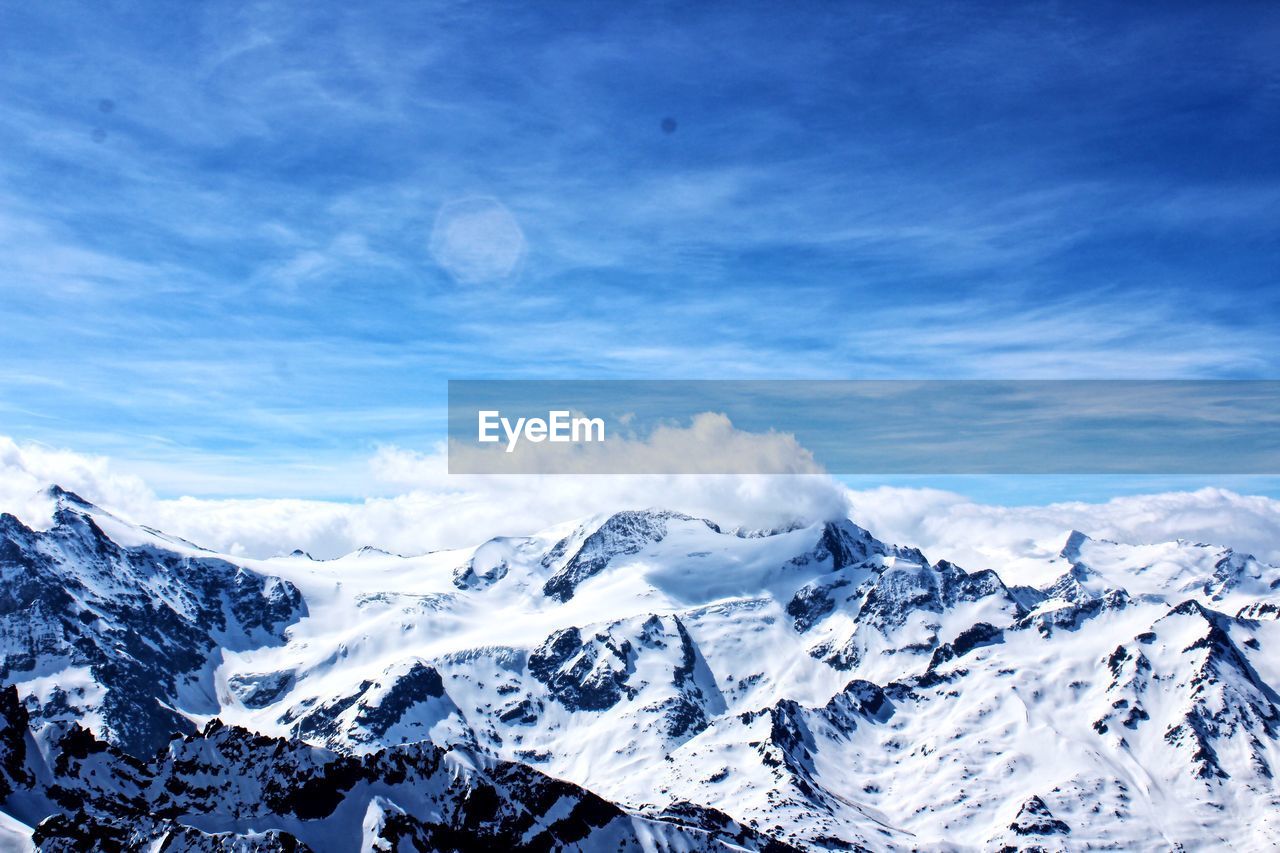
[204, 791]
[121, 636]
[812, 687]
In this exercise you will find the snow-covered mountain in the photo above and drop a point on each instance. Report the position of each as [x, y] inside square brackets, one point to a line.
[643, 680]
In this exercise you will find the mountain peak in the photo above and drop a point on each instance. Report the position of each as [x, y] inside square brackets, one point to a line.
[66, 496]
[654, 513]
[621, 534]
[1071, 548]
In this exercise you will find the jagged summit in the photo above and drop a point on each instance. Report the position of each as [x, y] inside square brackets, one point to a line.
[124, 631]
[371, 551]
[583, 554]
[61, 495]
[1071, 548]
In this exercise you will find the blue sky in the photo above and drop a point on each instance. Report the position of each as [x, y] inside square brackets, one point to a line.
[217, 220]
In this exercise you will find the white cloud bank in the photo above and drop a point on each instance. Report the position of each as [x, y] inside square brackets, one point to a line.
[434, 510]
[976, 535]
[26, 470]
[431, 509]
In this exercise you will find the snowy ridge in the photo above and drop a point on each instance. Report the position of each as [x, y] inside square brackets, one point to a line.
[206, 791]
[686, 686]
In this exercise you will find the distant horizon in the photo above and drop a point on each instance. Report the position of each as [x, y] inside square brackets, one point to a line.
[355, 480]
[968, 520]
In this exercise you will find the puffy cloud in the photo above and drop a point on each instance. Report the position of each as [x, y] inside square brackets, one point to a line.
[27, 469]
[710, 444]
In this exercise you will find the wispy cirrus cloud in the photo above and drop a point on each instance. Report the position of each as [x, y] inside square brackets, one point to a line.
[216, 226]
